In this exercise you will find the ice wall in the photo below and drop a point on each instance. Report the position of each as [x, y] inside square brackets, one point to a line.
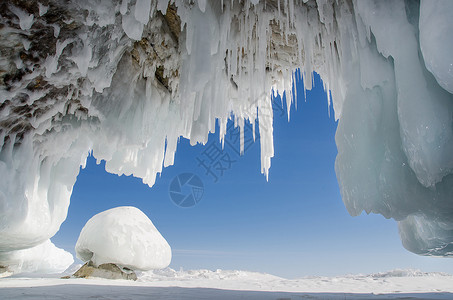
[395, 135]
[125, 79]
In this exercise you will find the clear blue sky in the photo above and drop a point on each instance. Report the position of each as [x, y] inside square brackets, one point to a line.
[293, 225]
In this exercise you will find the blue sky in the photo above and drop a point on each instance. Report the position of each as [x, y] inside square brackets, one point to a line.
[293, 225]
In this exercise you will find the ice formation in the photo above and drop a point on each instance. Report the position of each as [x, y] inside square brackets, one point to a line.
[44, 258]
[126, 79]
[124, 236]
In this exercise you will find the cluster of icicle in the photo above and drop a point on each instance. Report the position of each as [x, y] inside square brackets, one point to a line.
[87, 82]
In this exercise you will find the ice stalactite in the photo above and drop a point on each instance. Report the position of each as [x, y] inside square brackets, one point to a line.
[126, 79]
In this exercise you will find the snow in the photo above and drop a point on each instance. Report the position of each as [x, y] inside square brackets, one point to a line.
[224, 284]
[124, 236]
[94, 89]
[44, 258]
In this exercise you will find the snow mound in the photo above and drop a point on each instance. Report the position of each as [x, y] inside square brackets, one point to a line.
[44, 258]
[124, 236]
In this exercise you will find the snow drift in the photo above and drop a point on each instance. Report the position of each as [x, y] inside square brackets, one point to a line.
[125, 79]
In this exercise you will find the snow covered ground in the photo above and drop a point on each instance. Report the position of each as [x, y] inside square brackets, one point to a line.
[221, 284]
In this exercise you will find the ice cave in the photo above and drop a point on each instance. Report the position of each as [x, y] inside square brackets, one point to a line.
[125, 79]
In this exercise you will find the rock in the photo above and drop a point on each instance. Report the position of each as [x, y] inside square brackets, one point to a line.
[107, 271]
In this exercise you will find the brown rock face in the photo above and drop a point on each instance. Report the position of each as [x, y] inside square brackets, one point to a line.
[107, 271]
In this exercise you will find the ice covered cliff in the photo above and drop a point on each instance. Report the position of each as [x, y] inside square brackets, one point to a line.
[125, 79]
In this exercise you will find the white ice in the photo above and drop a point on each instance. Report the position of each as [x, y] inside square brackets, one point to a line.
[42, 9]
[44, 258]
[436, 40]
[25, 19]
[124, 236]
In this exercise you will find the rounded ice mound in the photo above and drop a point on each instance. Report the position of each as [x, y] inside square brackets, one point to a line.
[124, 236]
